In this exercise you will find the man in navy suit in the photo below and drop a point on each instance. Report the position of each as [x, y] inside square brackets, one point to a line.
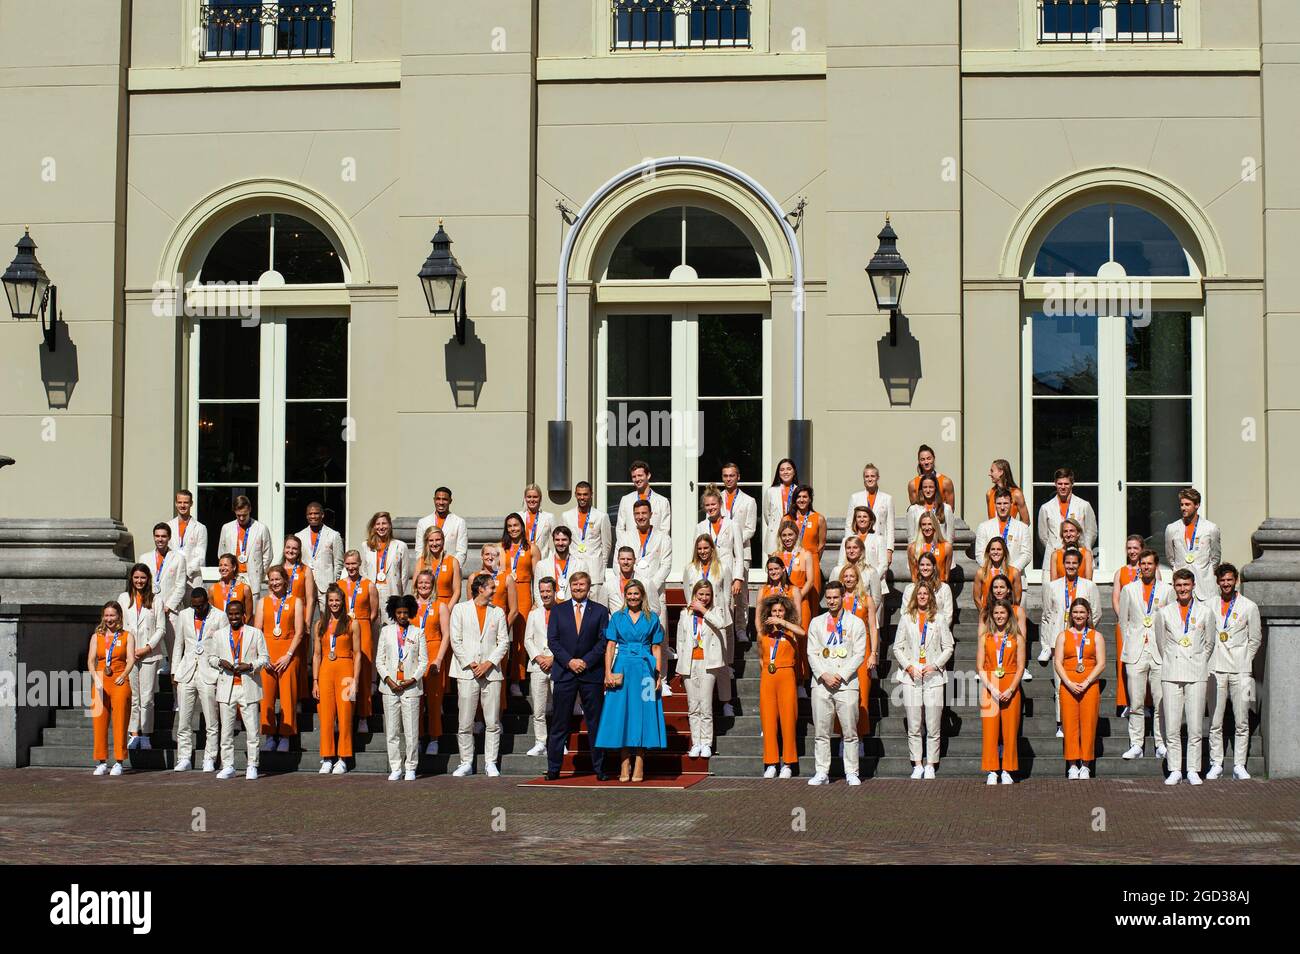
[576, 638]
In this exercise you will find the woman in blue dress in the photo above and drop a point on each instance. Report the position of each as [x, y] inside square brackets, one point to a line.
[632, 718]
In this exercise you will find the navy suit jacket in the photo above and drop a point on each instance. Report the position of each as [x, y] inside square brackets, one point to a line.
[566, 644]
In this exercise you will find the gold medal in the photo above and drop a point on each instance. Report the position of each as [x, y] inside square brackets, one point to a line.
[582, 548]
[1148, 620]
[1001, 672]
[1185, 641]
[771, 667]
[1223, 636]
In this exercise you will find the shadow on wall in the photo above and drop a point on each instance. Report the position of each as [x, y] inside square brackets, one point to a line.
[900, 364]
[59, 368]
[466, 366]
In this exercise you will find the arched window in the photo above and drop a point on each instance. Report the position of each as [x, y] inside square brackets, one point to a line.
[273, 248]
[684, 243]
[1111, 240]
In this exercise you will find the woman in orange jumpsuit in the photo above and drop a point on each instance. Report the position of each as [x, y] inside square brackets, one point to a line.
[1001, 476]
[1001, 664]
[446, 569]
[1123, 577]
[519, 555]
[925, 465]
[228, 587]
[995, 564]
[433, 616]
[778, 584]
[336, 674]
[799, 569]
[778, 706]
[302, 587]
[363, 607]
[1071, 531]
[1080, 661]
[858, 602]
[812, 534]
[282, 620]
[929, 539]
[110, 659]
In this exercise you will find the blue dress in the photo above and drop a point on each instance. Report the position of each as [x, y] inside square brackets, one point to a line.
[633, 714]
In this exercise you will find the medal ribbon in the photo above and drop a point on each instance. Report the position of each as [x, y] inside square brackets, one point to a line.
[382, 558]
[279, 609]
[401, 645]
[1151, 597]
[1078, 651]
[1228, 612]
[352, 597]
[835, 630]
[645, 542]
[582, 524]
[333, 634]
[108, 651]
[293, 577]
[243, 544]
[519, 551]
[1002, 647]
[236, 645]
[695, 631]
[315, 542]
[731, 503]
[199, 626]
[1191, 544]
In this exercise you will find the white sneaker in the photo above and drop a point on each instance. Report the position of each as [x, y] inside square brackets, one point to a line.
[1239, 772]
[786, 772]
[1194, 778]
[728, 712]
[1045, 655]
[1161, 751]
[1174, 778]
[1027, 677]
[431, 748]
[250, 773]
[819, 779]
[853, 779]
[1059, 733]
[410, 775]
[340, 767]
[395, 775]
[282, 745]
[227, 771]
[490, 768]
[326, 766]
[116, 769]
[1007, 779]
[463, 769]
[802, 693]
[706, 751]
[929, 771]
[918, 771]
[101, 768]
[133, 742]
[184, 765]
[363, 725]
[209, 765]
[515, 691]
[769, 772]
[1085, 772]
[479, 728]
[269, 744]
[1133, 752]
[538, 749]
[694, 753]
[667, 690]
[992, 779]
[145, 745]
[1215, 771]
[1074, 772]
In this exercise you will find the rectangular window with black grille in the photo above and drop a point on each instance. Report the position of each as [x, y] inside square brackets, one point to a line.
[1123, 21]
[680, 24]
[248, 29]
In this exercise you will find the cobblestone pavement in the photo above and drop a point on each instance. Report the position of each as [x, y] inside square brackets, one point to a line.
[70, 817]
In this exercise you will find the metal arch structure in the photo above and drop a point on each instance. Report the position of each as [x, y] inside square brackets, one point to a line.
[559, 431]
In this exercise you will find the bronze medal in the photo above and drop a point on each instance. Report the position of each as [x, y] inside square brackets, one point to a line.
[826, 654]
[771, 667]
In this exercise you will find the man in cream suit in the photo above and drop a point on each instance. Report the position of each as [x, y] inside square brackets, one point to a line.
[455, 535]
[238, 655]
[1056, 510]
[742, 510]
[189, 538]
[879, 503]
[560, 566]
[1184, 631]
[540, 660]
[653, 550]
[593, 537]
[322, 550]
[1020, 551]
[1057, 597]
[250, 542]
[169, 572]
[193, 680]
[400, 663]
[1237, 639]
[1139, 604]
[623, 572]
[170, 578]
[479, 643]
[837, 645]
[661, 511]
[1193, 542]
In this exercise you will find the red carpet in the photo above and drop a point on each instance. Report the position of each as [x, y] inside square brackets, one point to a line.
[589, 781]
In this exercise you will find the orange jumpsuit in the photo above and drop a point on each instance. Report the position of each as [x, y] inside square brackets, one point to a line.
[914, 486]
[221, 594]
[798, 577]
[298, 590]
[1127, 575]
[1007, 570]
[334, 709]
[520, 561]
[360, 611]
[112, 700]
[811, 527]
[435, 683]
[283, 686]
[942, 553]
[1000, 721]
[1085, 565]
[778, 703]
[862, 609]
[1079, 715]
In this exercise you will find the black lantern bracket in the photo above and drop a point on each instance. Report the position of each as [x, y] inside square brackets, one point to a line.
[23, 281]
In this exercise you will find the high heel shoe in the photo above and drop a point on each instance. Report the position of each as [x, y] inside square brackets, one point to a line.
[625, 775]
[638, 772]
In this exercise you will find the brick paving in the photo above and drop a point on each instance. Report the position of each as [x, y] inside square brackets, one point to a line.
[69, 817]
